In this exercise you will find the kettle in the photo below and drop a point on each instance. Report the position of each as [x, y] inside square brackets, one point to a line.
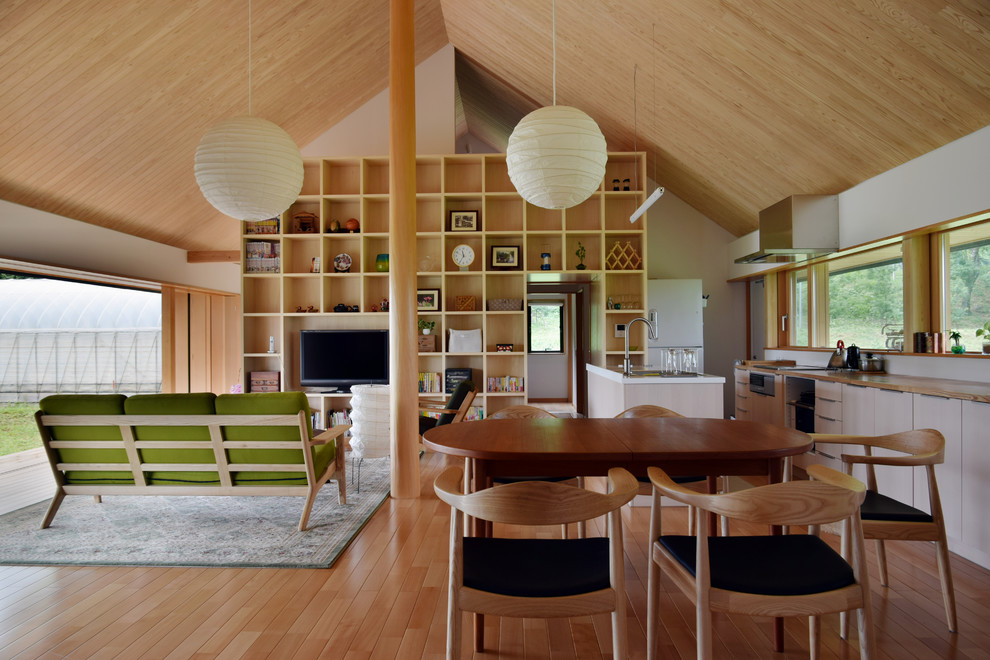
[838, 359]
[852, 357]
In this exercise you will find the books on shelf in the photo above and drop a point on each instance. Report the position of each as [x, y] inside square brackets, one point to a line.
[430, 382]
[455, 375]
[261, 256]
[269, 226]
[506, 384]
[474, 413]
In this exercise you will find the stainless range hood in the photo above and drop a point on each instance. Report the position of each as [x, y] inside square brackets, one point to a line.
[797, 228]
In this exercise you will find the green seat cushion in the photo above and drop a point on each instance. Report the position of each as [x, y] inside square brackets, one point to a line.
[270, 403]
[195, 403]
[88, 404]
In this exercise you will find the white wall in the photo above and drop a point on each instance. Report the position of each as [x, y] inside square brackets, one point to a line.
[365, 131]
[683, 243]
[27, 234]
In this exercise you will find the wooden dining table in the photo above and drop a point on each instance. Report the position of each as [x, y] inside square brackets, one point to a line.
[559, 447]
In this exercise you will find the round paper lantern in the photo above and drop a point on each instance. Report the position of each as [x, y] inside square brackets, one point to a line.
[249, 168]
[556, 157]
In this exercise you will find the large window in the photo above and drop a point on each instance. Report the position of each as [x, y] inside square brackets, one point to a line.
[866, 299]
[799, 308]
[546, 326]
[969, 282]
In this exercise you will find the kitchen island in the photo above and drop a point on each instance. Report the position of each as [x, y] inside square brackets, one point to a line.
[610, 392]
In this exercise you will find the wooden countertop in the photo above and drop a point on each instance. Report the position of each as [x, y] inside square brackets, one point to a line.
[956, 389]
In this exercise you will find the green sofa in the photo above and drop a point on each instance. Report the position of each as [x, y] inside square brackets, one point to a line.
[188, 444]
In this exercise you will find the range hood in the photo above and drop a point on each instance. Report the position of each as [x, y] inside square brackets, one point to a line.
[797, 228]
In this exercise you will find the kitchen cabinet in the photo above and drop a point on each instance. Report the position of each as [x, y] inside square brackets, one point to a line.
[828, 419]
[743, 404]
[975, 481]
[944, 415]
[893, 413]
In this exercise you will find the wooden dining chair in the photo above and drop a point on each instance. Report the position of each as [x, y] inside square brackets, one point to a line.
[532, 412]
[789, 575]
[699, 483]
[887, 519]
[529, 577]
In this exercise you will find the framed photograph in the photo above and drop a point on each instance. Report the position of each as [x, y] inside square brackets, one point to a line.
[505, 256]
[428, 300]
[464, 221]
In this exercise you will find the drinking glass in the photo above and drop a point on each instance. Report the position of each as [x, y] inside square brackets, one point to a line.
[690, 363]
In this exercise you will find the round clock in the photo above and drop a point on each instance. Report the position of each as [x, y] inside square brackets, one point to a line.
[463, 256]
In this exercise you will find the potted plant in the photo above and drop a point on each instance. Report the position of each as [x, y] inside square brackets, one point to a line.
[426, 326]
[955, 336]
[580, 253]
[985, 333]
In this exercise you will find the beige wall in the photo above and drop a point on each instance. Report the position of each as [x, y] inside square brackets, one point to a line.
[683, 243]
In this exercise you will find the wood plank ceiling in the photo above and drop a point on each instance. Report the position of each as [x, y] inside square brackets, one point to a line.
[738, 103]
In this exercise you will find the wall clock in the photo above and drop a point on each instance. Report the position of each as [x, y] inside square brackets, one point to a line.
[463, 256]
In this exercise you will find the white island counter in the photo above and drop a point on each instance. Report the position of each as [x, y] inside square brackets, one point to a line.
[609, 393]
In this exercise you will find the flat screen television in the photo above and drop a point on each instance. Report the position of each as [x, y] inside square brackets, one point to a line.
[337, 359]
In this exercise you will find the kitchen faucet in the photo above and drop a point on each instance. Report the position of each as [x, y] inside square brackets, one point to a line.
[652, 324]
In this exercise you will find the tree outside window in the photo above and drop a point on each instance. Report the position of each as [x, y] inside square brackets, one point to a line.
[546, 327]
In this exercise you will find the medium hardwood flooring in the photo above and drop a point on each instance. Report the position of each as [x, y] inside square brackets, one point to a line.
[386, 598]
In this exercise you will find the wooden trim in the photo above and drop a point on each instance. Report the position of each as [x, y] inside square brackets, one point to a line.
[213, 256]
[917, 286]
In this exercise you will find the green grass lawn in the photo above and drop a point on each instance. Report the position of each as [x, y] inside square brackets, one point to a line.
[18, 431]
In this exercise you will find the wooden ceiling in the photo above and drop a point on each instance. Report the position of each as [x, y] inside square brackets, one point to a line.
[738, 103]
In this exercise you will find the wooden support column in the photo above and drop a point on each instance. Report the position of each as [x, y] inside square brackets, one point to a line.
[403, 360]
[917, 288]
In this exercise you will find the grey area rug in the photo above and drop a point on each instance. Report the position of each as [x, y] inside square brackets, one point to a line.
[195, 531]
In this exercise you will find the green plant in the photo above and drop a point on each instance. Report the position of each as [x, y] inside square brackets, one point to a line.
[426, 325]
[580, 252]
[984, 332]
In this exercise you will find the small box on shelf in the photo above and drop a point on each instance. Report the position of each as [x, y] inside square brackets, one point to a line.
[264, 381]
[427, 343]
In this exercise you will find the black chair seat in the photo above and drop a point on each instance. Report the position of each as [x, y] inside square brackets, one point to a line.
[426, 423]
[512, 480]
[881, 507]
[767, 565]
[676, 480]
[536, 567]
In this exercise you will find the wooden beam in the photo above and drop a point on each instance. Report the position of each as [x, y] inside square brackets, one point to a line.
[208, 256]
[403, 349]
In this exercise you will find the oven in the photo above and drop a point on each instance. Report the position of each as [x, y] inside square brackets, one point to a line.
[761, 383]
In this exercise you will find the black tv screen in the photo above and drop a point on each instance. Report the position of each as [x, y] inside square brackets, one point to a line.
[337, 359]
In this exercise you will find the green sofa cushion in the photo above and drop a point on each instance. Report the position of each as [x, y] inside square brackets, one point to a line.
[195, 403]
[88, 404]
[270, 403]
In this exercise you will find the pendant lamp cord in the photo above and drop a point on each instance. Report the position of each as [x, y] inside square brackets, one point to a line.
[554, 30]
[249, 58]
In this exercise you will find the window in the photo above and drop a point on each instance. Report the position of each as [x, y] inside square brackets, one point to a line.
[545, 321]
[799, 308]
[969, 282]
[866, 299]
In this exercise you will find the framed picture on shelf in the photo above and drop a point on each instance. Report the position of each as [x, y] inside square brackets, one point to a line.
[428, 300]
[505, 256]
[464, 221]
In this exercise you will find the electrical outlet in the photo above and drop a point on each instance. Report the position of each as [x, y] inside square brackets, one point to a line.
[620, 329]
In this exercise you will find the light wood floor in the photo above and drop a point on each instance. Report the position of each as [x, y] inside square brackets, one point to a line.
[385, 598]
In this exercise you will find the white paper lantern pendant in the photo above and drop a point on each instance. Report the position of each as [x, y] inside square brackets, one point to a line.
[556, 157]
[249, 168]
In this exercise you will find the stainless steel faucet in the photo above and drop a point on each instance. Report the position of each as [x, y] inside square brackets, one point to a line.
[652, 324]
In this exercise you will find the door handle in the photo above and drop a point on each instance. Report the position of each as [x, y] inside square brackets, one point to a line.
[783, 323]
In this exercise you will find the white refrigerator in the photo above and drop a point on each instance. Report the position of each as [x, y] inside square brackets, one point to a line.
[678, 304]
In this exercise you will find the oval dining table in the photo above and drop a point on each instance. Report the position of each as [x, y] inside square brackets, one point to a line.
[559, 447]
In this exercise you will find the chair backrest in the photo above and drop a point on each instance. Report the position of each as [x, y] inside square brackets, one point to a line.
[920, 447]
[648, 410]
[520, 412]
[789, 503]
[536, 502]
[460, 400]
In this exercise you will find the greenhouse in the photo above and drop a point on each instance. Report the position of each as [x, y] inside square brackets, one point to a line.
[69, 337]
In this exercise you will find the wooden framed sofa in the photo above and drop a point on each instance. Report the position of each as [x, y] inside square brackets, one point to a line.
[188, 444]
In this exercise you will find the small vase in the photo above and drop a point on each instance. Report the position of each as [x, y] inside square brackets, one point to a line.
[381, 263]
[426, 331]
[581, 266]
